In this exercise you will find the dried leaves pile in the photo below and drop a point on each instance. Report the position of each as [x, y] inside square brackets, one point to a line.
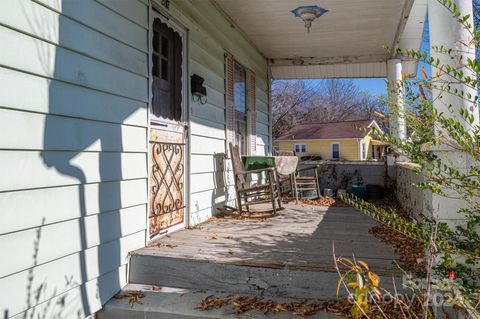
[325, 201]
[411, 251]
[243, 304]
[340, 307]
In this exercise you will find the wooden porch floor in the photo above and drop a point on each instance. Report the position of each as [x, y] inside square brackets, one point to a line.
[300, 237]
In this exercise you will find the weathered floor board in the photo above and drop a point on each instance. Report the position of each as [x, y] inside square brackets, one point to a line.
[299, 237]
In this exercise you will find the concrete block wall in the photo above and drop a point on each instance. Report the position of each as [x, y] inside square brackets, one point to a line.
[341, 175]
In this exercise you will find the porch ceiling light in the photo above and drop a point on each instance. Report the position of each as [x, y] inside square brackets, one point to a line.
[308, 14]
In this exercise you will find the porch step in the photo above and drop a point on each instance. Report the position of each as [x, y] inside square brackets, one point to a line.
[265, 280]
[175, 303]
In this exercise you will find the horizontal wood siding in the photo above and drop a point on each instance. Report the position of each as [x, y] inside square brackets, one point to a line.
[210, 36]
[349, 148]
[73, 113]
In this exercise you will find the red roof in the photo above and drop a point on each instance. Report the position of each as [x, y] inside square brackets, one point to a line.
[331, 130]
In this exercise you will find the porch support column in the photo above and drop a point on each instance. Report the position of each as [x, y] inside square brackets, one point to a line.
[396, 99]
[446, 31]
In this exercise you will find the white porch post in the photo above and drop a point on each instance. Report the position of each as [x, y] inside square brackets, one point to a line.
[446, 31]
[396, 99]
[397, 108]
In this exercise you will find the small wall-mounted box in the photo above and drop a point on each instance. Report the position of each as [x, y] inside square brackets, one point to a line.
[196, 86]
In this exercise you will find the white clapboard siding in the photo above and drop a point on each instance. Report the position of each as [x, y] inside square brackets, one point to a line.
[33, 169]
[93, 44]
[103, 19]
[73, 186]
[66, 273]
[212, 80]
[262, 106]
[56, 97]
[98, 292]
[51, 61]
[129, 10]
[207, 59]
[57, 204]
[31, 131]
[81, 233]
[208, 163]
[208, 111]
[262, 117]
[206, 181]
[211, 198]
[262, 129]
[206, 145]
[207, 128]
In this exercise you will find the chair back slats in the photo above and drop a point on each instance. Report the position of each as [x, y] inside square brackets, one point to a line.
[237, 165]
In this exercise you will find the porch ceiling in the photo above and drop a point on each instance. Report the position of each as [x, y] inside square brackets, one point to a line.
[347, 41]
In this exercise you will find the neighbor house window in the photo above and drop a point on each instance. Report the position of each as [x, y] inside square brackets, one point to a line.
[300, 148]
[240, 103]
[364, 150]
[335, 151]
[275, 150]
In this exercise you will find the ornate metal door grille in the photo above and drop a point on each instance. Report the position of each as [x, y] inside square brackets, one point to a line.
[167, 204]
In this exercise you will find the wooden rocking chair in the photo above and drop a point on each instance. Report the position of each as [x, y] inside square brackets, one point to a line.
[251, 195]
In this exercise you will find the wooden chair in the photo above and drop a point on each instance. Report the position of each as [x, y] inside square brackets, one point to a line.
[302, 182]
[299, 182]
[250, 195]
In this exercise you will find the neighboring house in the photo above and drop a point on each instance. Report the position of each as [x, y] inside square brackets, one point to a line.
[109, 140]
[347, 140]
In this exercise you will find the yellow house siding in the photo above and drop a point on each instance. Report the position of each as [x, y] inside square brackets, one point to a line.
[349, 148]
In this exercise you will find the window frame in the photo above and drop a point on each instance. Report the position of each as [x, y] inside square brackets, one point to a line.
[331, 151]
[302, 146]
[244, 121]
[363, 151]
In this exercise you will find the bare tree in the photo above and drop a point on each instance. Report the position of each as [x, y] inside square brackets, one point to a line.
[340, 100]
[290, 100]
[319, 101]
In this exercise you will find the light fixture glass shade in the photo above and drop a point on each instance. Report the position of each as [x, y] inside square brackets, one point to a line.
[308, 14]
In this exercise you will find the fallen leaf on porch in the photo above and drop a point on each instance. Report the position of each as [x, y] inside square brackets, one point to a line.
[212, 237]
[155, 288]
[244, 304]
[213, 302]
[411, 251]
[132, 253]
[229, 237]
[339, 307]
[134, 296]
[231, 252]
[324, 201]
